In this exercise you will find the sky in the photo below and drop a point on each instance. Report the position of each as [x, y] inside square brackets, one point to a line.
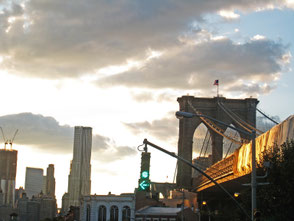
[119, 67]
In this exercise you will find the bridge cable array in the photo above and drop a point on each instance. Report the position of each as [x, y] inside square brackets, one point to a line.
[204, 141]
[231, 144]
[237, 119]
[215, 128]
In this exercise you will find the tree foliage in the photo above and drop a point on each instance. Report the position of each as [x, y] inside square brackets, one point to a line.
[276, 200]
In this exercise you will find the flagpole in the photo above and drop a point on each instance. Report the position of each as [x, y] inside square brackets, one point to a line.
[216, 82]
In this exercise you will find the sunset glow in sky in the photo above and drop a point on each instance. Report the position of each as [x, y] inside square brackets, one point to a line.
[119, 66]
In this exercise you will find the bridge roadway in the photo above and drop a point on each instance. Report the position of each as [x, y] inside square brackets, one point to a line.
[237, 166]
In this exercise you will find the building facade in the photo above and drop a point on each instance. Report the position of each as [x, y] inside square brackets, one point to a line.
[79, 180]
[38, 208]
[33, 181]
[50, 181]
[166, 214]
[108, 207]
[8, 164]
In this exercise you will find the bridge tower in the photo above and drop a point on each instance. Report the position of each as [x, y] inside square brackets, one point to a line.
[213, 107]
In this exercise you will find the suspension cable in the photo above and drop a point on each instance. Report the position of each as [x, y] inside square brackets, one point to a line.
[239, 120]
[232, 117]
[204, 142]
[236, 133]
[207, 144]
[215, 128]
[267, 116]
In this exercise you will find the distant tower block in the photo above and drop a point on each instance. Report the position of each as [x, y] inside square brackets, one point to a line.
[33, 181]
[79, 180]
[50, 181]
[8, 164]
[244, 108]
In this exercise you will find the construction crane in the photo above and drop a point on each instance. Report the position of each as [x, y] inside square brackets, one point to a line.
[6, 141]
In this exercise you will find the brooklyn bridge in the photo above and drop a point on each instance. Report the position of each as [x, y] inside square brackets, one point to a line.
[232, 170]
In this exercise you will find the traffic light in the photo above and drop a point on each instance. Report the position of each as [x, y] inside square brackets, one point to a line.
[144, 182]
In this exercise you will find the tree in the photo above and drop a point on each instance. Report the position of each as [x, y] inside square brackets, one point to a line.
[276, 200]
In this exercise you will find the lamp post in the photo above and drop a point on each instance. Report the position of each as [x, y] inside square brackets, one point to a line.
[182, 114]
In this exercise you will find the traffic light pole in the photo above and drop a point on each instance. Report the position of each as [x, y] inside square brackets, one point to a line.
[146, 142]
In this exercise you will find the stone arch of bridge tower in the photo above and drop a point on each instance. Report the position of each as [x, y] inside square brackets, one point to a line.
[201, 128]
[245, 108]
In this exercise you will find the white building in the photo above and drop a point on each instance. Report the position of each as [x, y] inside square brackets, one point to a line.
[79, 179]
[33, 181]
[108, 207]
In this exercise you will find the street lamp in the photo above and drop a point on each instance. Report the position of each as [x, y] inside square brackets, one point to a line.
[182, 114]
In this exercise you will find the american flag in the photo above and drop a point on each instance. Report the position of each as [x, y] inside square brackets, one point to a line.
[215, 82]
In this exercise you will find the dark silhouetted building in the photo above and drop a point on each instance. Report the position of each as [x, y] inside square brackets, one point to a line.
[38, 208]
[50, 181]
[8, 164]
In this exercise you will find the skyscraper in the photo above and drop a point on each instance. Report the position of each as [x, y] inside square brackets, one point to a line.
[79, 179]
[33, 181]
[50, 181]
[8, 162]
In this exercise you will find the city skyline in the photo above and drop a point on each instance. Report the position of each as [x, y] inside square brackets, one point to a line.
[119, 68]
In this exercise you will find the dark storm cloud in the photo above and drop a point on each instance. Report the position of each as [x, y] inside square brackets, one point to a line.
[196, 65]
[47, 135]
[165, 129]
[54, 39]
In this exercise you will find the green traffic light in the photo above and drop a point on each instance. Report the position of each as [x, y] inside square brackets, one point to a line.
[144, 185]
[145, 174]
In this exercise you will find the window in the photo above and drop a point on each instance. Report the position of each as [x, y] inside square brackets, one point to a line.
[88, 212]
[126, 213]
[114, 213]
[102, 213]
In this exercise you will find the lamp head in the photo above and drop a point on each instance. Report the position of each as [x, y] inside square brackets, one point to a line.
[182, 114]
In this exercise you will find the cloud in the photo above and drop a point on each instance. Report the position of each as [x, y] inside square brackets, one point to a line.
[197, 64]
[117, 153]
[229, 15]
[149, 95]
[165, 129]
[46, 134]
[38, 131]
[54, 39]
